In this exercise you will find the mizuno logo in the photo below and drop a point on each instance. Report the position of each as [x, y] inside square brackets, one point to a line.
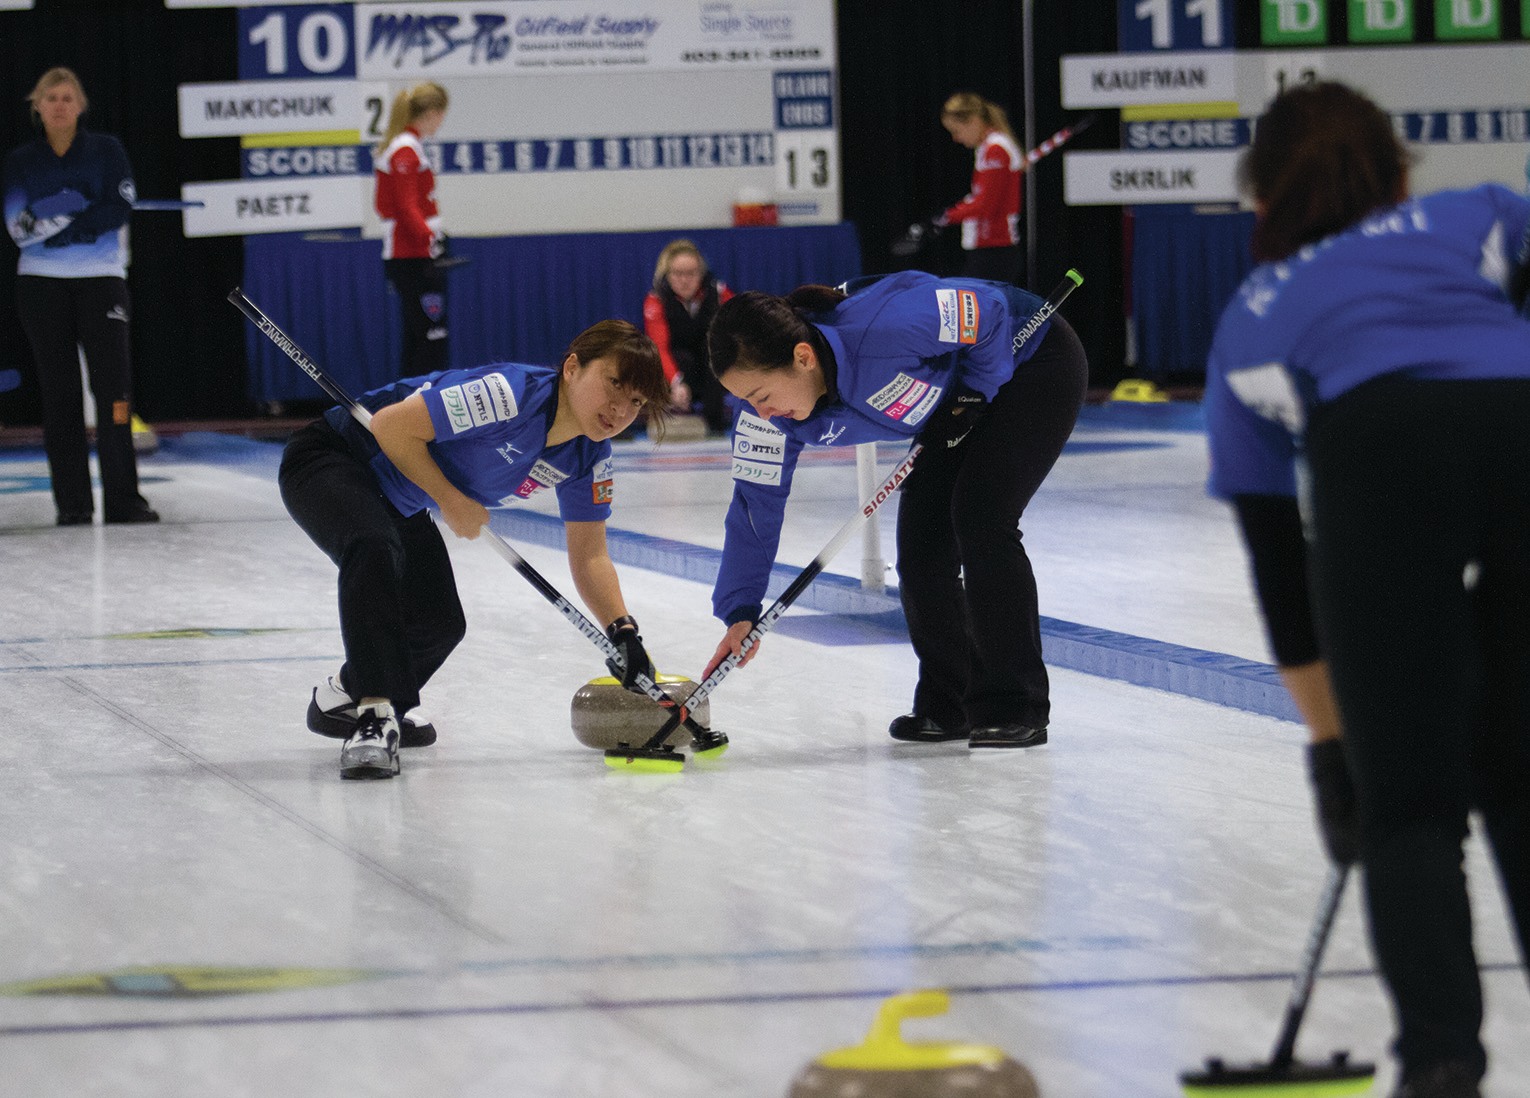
[831, 435]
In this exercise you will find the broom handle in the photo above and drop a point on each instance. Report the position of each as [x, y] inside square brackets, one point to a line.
[1328, 906]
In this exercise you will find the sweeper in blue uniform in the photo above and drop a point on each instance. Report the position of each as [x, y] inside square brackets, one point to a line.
[442, 450]
[1377, 347]
[948, 362]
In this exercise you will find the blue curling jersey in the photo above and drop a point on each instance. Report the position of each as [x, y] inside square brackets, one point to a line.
[491, 441]
[900, 347]
[1418, 289]
[68, 214]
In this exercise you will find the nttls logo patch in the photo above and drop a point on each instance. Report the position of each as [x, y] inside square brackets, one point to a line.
[967, 311]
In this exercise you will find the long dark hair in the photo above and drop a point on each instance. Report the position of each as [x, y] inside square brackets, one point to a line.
[1323, 157]
[757, 331]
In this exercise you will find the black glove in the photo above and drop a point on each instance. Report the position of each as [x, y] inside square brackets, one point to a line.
[440, 246]
[916, 237]
[69, 235]
[954, 420]
[1519, 283]
[623, 633]
[1337, 813]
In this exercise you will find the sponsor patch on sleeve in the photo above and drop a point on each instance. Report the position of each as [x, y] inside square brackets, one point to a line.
[456, 409]
[902, 395]
[922, 409]
[501, 396]
[756, 472]
[602, 491]
[542, 475]
[967, 316]
[946, 311]
[756, 440]
[478, 402]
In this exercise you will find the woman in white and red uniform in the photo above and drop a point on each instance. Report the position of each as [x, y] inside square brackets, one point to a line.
[412, 237]
[990, 214]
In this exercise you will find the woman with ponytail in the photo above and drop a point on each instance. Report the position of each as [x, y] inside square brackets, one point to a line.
[412, 236]
[911, 357]
[990, 213]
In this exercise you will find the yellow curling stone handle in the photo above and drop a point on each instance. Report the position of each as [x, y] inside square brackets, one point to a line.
[886, 1050]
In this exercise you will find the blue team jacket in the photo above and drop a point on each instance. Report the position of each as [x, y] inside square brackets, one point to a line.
[900, 347]
[1417, 289]
[491, 441]
[67, 213]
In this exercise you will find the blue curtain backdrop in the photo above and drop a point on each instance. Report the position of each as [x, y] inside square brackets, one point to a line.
[520, 299]
[1186, 266]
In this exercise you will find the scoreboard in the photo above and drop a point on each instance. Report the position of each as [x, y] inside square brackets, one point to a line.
[1191, 76]
[565, 116]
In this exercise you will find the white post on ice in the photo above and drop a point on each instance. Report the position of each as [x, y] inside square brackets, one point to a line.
[873, 567]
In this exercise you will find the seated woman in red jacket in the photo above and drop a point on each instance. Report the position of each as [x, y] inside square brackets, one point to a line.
[676, 314]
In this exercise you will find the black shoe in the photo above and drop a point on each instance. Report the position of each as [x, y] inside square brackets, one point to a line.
[137, 514]
[332, 713]
[916, 729]
[1448, 1080]
[1008, 735]
[74, 518]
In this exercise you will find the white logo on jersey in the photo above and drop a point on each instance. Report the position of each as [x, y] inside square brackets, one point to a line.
[1267, 391]
[756, 440]
[899, 396]
[756, 472]
[950, 319]
[478, 402]
[501, 395]
[547, 474]
[1495, 260]
[922, 409]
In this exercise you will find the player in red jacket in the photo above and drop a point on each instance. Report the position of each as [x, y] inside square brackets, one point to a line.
[412, 236]
[990, 213]
[676, 313]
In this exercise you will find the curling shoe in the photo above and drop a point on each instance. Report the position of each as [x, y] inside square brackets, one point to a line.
[913, 728]
[332, 713]
[1447, 1080]
[141, 513]
[1007, 735]
[372, 750]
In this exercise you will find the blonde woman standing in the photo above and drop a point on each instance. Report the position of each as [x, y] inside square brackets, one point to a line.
[412, 236]
[990, 213]
[68, 196]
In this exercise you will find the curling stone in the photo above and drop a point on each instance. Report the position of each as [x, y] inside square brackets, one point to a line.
[886, 1066]
[606, 716]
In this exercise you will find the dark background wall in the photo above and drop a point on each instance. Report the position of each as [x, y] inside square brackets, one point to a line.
[898, 63]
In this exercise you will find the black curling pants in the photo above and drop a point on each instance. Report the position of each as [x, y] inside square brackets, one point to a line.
[400, 616]
[994, 264]
[968, 591]
[61, 316]
[1421, 583]
[421, 288]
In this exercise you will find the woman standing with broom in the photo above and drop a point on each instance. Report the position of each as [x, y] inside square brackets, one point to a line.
[1379, 337]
